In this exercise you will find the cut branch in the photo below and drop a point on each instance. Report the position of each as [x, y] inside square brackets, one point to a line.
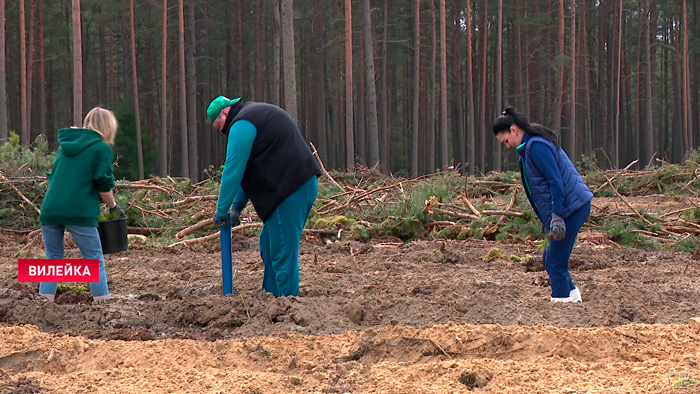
[469, 204]
[502, 213]
[455, 214]
[25, 199]
[609, 181]
[155, 187]
[323, 168]
[144, 230]
[624, 200]
[194, 227]
[215, 235]
[187, 201]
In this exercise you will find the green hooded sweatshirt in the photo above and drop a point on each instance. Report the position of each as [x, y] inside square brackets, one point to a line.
[83, 169]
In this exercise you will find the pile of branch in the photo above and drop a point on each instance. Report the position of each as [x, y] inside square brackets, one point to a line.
[357, 197]
[20, 201]
[672, 177]
[175, 207]
[468, 212]
[174, 203]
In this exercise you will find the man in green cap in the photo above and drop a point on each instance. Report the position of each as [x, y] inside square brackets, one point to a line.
[269, 162]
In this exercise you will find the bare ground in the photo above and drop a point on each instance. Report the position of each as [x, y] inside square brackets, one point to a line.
[380, 317]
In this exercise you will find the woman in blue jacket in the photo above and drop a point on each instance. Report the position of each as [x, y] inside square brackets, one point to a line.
[556, 191]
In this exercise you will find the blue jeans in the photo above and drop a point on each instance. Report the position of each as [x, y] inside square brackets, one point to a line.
[88, 241]
[556, 256]
[280, 238]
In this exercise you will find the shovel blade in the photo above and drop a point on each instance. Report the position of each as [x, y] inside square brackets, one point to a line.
[226, 259]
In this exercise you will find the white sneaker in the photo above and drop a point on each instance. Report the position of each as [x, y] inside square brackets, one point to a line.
[575, 295]
[562, 299]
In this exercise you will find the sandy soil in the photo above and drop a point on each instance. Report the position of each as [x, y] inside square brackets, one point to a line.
[381, 317]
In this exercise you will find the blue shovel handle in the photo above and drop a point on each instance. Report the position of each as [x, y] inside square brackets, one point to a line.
[226, 257]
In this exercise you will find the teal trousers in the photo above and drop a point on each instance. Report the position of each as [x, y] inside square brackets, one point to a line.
[280, 238]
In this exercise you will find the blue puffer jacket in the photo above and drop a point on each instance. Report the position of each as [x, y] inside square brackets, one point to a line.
[537, 187]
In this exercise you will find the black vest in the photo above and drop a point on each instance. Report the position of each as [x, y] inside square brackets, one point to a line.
[280, 160]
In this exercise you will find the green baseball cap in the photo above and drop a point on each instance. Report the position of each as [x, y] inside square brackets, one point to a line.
[217, 105]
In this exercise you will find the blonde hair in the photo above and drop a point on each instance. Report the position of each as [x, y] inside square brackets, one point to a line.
[103, 122]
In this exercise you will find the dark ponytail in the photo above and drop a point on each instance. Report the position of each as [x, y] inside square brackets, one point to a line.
[510, 117]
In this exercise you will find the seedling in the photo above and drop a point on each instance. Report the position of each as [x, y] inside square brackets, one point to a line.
[104, 216]
[494, 254]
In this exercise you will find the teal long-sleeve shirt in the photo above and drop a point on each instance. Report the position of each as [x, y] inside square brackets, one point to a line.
[240, 143]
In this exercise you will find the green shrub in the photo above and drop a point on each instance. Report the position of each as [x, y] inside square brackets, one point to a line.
[17, 160]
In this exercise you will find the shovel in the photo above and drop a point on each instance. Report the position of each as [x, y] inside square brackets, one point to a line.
[226, 257]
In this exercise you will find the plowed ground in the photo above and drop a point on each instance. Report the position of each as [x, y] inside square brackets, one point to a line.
[428, 316]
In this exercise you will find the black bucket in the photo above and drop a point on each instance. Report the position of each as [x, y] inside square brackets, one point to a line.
[113, 235]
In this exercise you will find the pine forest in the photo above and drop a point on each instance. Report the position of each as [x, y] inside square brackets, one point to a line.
[408, 87]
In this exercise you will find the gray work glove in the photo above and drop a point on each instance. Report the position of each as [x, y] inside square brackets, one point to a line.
[235, 218]
[220, 221]
[117, 208]
[557, 228]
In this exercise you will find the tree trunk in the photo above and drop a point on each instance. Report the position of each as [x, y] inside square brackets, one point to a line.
[24, 129]
[415, 144]
[191, 87]
[30, 68]
[371, 87]
[184, 160]
[649, 97]
[618, 90]
[102, 86]
[694, 64]
[499, 82]
[559, 64]
[77, 66]
[228, 67]
[572, 122]
[471, 134]
[276, 51]
[163, 137]
[320, 81]
[520, 68]
[588, 127]
[50, 106]
[349, 113]
[258, 56]
[150, 90]
[687, 124]
[206, 147]
[638, 144]
[4, 130]
[264, 79]
[289, 62]
[137, 110]
[41, 99]
[626, 135]
[676, 132]
[337, 141]
[601, 105]
[237, 43]
[432, 92]
[111, 85]
[457, 110]
[445, 156]
[361, 148]
[484, 65]
[385, 160]
[306, 84]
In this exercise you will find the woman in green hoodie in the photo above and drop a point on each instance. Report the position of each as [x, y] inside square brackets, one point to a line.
[81, 178]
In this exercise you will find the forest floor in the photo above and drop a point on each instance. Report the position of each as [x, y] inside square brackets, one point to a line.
[386, 316]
